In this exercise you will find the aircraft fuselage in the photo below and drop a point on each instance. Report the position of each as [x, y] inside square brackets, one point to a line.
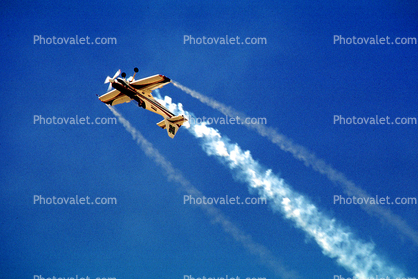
[143, 101]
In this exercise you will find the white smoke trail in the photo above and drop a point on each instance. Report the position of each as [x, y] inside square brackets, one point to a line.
[310, 159]
[216, 216]
[336, 241]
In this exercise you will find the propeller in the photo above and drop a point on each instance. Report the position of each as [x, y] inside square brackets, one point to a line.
[110, 80]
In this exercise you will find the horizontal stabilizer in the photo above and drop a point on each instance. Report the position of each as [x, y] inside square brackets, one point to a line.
[172, 124]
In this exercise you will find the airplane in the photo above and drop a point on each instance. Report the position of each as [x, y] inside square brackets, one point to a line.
[140, 90]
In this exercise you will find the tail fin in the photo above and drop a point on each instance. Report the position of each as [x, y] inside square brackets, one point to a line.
[172, 124]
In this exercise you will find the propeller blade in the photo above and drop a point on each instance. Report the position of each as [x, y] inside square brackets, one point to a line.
[108, 79]
[116, 74]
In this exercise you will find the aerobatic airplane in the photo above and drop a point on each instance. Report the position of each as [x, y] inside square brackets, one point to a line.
[140, 90]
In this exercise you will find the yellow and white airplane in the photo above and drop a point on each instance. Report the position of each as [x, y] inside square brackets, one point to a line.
[140, 90]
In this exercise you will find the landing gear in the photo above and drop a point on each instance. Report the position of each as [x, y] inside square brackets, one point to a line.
[141, 104]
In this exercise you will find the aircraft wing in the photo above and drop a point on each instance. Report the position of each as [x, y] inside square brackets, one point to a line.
[147, 85]
[144, 86]
[114, 97]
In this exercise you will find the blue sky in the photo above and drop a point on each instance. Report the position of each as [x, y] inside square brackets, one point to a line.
[298, 81]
